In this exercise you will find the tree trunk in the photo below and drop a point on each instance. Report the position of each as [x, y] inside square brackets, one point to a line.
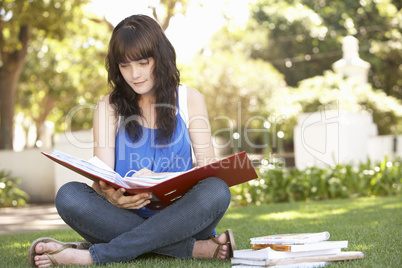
[8, 87]
[48, 104]
[10, 71]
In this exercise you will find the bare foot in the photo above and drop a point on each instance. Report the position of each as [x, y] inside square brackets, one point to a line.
[205, 249]
[68, 256]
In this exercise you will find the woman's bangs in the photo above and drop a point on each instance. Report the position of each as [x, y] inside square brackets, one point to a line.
[130, 45]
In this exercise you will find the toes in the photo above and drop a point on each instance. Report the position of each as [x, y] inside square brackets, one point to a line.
[224, 252]
[42, 261]
[46, 247]
[39, 248]
[223, 239]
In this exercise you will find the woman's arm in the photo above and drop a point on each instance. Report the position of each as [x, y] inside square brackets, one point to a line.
[199, 128]
[104, 134]
[105, 128]
[104, 131]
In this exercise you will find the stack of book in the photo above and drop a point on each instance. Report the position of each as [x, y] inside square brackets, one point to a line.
[293, 250]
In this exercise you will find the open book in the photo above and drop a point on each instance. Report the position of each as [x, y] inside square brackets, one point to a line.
[165, 188]
[98, 168]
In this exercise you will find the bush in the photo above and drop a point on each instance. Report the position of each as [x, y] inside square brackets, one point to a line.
[342, 181]
[10, 194]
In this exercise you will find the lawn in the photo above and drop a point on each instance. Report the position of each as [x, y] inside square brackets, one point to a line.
[371, 225]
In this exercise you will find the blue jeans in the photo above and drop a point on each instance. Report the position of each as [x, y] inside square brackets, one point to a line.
[120, 235]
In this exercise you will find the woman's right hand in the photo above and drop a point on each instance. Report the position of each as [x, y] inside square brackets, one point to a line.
[117, 197]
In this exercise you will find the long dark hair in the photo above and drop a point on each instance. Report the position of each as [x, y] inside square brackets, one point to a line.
[135, 38]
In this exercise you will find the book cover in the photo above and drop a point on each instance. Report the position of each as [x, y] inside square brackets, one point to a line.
[233, 170]
[291, 239]
[271, 254]
[305, 247]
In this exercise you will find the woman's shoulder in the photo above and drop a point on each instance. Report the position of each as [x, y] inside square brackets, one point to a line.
[105, 105]
[194, 96]
[195, 102]
[105, 101]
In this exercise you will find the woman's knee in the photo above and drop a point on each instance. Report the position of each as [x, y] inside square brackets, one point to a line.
[217, 184]
[70, 196]
[217, 191]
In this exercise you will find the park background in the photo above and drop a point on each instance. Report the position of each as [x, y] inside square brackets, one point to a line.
[260, 65]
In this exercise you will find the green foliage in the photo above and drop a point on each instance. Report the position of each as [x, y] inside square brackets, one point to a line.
[342, 181]
[301, 39]
[304, 37]
[10, 194]
[20, 22]
[63, 80]
[235, 88]
[348, 95]
[50, 17]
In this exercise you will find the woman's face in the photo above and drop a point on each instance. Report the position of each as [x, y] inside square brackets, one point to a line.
[139, 75]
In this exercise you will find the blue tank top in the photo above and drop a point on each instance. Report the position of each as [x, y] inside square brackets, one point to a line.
[146, 152]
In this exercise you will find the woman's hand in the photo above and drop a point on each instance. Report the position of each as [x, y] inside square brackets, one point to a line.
[147, 172]
[117, 197]
[143, 172]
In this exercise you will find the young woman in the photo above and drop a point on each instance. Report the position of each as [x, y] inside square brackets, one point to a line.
[142, 125]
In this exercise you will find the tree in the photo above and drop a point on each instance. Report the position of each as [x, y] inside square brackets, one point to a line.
[235, 89]
[48, 23]
[303, 38]
[299, 43]
[20, 21]
[168, 9]
[59, 75]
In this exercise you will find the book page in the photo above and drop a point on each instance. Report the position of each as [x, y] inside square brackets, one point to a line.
[99, 168]
[99, 163]
[301, 238]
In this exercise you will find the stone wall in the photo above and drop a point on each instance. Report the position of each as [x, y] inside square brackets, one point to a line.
[41, 177]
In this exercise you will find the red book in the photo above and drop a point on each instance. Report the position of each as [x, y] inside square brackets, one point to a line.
[233, 170]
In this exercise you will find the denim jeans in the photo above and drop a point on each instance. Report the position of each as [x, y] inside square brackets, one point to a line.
[121, 235]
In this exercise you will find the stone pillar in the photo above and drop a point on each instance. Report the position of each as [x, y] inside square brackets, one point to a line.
[329, 137]
[351, 65]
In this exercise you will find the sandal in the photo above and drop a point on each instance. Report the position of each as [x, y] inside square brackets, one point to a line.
[32, 253]
[231, 243]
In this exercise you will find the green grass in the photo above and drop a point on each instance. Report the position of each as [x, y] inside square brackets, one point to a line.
[371, 225]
